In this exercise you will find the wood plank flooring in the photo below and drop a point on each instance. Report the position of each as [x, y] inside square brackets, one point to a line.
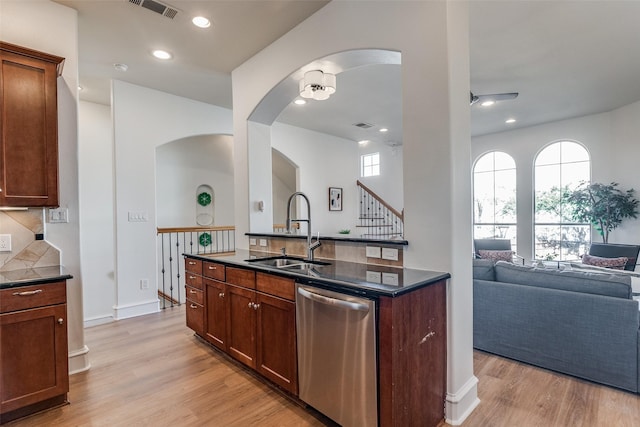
[152, 371]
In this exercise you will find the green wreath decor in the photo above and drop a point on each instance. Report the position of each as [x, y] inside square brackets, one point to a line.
[204, 198]
[205, 239]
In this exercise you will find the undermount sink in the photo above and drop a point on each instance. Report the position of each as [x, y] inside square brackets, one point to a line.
[291, 263]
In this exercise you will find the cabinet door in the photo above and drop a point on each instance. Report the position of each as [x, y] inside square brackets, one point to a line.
[195, 310]
[215, 323]
[29, 131]
[241, 326]
[33, 356]
[276, 345]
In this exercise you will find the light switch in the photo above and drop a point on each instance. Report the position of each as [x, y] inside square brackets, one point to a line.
[5, 242]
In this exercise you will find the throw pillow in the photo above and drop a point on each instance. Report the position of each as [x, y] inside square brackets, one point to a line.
[496, 256]
[616, 263]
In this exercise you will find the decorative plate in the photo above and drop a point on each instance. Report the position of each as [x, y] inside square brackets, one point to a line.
[204, 199]
[205, 239]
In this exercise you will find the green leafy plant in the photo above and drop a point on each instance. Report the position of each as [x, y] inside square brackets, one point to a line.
[604, 206]
[345, 231]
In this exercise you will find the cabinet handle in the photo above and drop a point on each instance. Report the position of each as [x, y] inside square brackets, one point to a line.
[256, 306]
[250, 305]
[192, 263]
[60, 321]
[191, 291]
[192, 277]
[27, 293]
[193, 306]
[211, 267]
[221, 294]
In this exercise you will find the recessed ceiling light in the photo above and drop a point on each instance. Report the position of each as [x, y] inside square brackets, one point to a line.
[488, 103]
[509, 121]
[161, 54]
[300, 101]
[121, 67]
[201, 21]
[363, 142]
[80, 88]
[384, 130]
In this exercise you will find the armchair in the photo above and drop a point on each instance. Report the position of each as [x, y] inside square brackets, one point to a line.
[611, 250]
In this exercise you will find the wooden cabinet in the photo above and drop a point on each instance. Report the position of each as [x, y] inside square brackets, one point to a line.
[28, 127]
[34, 372]
[194, 290]
[251, 316]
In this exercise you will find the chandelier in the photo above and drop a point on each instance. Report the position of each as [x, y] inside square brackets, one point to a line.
[317, 85]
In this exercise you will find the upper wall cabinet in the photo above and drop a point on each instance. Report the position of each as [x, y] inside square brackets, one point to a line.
[28, 127]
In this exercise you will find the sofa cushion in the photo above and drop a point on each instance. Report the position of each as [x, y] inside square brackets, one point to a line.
[496, 255]
[569, 280]
[617, 263]
[483, 269]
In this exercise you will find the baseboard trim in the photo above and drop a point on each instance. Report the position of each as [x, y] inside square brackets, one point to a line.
[459, 405]
[79, 360]
[133, 310]
[88, 323]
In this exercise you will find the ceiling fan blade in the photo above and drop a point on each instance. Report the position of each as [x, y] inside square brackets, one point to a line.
[497, 97]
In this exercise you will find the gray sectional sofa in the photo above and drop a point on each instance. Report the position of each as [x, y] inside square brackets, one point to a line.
[583, 324]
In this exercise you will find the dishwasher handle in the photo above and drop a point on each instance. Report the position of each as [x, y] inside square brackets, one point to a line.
[333, 301]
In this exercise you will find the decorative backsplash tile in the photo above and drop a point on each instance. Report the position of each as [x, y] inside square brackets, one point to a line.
[26, 252]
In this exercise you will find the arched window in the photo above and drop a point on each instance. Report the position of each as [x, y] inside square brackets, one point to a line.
[559, 167]
[494, 197]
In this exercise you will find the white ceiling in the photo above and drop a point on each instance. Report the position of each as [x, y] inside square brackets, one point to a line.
[565, 58]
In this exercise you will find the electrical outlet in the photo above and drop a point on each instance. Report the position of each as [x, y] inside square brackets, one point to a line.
[252, 241]
[5, 242]
[390, 254]
[144, 284]
[59, 215]
[373, 251]
[263, 242]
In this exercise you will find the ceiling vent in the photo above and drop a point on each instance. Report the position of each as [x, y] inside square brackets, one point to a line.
[363, 125]
[157, 7]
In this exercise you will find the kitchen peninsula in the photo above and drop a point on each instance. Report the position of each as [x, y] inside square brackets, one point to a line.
[33, 334]
[245, 304]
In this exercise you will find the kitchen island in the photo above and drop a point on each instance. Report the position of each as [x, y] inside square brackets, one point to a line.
[34, 373]
[246, 308]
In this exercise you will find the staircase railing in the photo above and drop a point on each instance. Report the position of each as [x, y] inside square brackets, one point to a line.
[377, 217]
[173, 242]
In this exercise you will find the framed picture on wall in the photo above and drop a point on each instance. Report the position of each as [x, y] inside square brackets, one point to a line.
[335, 199]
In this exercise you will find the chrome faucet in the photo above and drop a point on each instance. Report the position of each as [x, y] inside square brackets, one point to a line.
[310, 247]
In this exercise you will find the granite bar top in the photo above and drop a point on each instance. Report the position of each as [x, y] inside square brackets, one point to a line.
[336, 237]
[367, 280]
[33, 276]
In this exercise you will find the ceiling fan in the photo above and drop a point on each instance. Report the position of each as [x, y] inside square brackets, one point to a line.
[493, 97]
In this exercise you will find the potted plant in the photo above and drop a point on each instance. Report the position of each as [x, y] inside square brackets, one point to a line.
[604, 206]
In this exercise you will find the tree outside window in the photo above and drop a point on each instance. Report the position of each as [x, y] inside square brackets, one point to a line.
[559, 168]
[494, 197]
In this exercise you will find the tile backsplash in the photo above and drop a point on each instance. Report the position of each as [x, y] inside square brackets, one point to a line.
[26, 251]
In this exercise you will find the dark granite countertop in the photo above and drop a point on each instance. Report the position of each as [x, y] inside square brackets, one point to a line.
[337, 237]
[33, 276]
[360, 279]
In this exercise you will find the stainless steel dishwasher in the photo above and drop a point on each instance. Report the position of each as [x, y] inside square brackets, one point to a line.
[337, 373]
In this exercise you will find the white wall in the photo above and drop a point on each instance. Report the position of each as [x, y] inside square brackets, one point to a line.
[324, 161]
[610, 138]
[97, 243]
[185, 164]
[436, 150]
[143, 120]
[52, 28]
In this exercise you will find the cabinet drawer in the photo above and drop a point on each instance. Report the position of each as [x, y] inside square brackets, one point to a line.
[213, 270]
[193, 265]
[195, 317]
[274, 285]
[241, 277]
[194, 295]
[193, 280]
[32, 296]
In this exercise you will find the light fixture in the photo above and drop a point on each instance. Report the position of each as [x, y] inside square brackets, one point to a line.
[80, 88]
[201, 21]
[299, 101]
[383, 130]
[161, 54]
[121, 67]
[509, 121]
[317, 85]
[488, 103]
[363, 142]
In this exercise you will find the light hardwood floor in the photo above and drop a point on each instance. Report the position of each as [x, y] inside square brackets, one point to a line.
[152, 371]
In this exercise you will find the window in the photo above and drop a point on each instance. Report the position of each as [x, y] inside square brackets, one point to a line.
[559, 167]
[494, 197]
[370, 165]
